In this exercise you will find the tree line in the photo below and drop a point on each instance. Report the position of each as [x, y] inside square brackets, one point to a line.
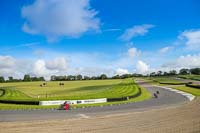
[183, 71]
[101, 77]
[28, 78]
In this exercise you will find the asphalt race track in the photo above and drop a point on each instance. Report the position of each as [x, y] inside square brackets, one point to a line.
[165, 98]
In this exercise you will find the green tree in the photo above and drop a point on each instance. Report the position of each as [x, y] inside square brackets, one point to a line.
[195, 71]
[10, 79]
[184, 71]
[172, 72]
[27, 77]
[103, 76]
[71, 77]
[41, 79]
[2, 79]
[116, 77]
[165, 73]
[53, 78]
[153, 74]
[79, 77]
[86, 78]
[159, 73]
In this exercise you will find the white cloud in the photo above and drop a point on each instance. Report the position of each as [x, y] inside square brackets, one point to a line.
[10, 66]
[57, 63]
[165, 49]
[6, 62]
[92, 71]
[133, 52]
[39, 68]
[138, 30]
[121, 71]
[46, 68]
[142, 67]
[189, 61]
[191, 38]
[57, 18]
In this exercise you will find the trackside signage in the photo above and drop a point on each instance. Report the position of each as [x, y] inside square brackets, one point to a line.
[88, 101]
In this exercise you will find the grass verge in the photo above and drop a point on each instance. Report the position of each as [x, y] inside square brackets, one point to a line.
[117, 89]
[144, 96]
[191, 90]
[192, 77]
[168, 80]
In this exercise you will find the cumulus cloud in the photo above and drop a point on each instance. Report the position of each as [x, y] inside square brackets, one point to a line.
[57, 63]
[138, 30]
[57, 18]
[142, 67]
[133, 52]
[47, 68]
[191, 38]
[121, 71]
[39, 68]
[10, 66]
[6, 62]
[188, 61]
[91, 71]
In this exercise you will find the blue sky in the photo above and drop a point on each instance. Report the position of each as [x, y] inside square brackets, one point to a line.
[91, 37]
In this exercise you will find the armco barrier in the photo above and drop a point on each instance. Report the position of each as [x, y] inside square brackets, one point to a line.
[86, 101]
[193, 86]
[125, 98]
[20, 102]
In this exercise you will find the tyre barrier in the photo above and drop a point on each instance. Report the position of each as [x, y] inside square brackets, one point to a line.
[125, 98]
[20, 102]
[193, 86]
[173, 83]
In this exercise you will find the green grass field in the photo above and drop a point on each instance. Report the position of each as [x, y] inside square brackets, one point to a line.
[191, 90]
[167, 80]
[71, 90]
[144, 96]
[192, 77]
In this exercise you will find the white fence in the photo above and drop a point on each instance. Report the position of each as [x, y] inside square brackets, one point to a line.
[87, 101]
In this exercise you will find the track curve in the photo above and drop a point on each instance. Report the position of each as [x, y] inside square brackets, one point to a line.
[165, 98]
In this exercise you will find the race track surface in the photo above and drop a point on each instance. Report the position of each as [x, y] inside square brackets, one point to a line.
[173, 119]
[165, 99]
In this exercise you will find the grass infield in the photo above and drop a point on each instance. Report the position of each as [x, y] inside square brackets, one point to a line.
[71, 90]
